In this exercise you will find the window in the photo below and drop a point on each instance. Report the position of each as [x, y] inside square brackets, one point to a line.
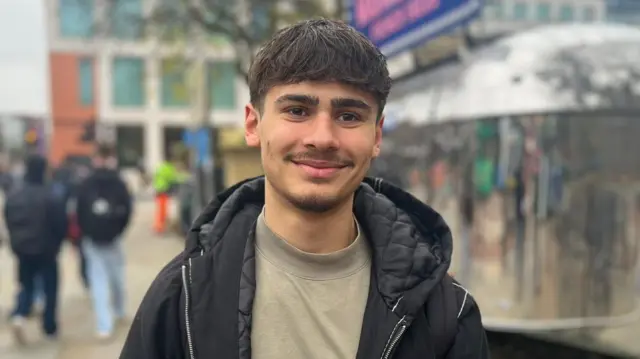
[130, 145]
[175, 20]
[76, 18]
[261, 19]
[221, 78]
[172, 139]
[126, 20]
[174, 83]
[588, 14]
[494, 9]
[566, 13]
[128, 88]
[543, 13]
[520, 11]
[85, 77]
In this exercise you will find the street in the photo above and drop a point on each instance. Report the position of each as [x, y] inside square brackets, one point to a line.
[146, 254]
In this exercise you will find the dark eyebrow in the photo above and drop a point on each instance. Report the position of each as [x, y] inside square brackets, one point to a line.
[350, 103]
[304, 99]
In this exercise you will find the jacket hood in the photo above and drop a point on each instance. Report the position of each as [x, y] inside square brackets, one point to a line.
[411, 243]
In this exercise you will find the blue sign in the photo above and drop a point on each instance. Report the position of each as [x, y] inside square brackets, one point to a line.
[623, 11]
[200, 141]
[400, 25]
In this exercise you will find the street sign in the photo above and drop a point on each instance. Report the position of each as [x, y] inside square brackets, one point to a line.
[199, 141]
[400, 25]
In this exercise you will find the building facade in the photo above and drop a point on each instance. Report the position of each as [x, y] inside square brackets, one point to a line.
[104, 68]
[506, 16]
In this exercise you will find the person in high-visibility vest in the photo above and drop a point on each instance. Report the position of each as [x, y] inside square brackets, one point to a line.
[164, 181]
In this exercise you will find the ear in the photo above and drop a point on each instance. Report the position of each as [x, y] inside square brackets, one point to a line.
[251, 119]
[378, 139]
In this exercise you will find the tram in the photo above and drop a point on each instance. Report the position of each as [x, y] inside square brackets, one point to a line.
[530, 149]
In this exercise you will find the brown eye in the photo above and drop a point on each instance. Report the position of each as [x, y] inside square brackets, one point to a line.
[297, 112]
[348, 118]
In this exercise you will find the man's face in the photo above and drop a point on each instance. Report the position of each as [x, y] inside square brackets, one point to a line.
[316, 140]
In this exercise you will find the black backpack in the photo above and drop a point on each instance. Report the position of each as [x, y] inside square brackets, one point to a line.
[443, 308]
[26, 219]
[107, 212]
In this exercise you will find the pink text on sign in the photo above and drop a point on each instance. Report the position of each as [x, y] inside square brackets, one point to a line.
[409, 13]
[367, 10]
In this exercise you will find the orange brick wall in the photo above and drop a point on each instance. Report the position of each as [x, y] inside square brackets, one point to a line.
[68, 114]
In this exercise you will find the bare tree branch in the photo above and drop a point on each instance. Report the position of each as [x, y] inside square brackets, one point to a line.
[240, 25]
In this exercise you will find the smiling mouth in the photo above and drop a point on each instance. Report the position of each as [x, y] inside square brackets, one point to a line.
[319, 164]
[322, 170]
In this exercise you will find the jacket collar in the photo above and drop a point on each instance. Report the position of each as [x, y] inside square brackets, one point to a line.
[411, 243]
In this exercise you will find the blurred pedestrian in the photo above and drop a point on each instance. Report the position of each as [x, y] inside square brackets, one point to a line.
[165, 180]
[67, 179]
[37, 224]
[104, 207]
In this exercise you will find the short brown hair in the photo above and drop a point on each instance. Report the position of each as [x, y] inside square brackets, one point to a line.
[319, 50]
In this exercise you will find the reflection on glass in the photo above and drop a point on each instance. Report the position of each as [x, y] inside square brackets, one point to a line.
[544, 209]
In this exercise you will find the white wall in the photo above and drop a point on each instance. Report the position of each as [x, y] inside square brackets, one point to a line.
[24, 82]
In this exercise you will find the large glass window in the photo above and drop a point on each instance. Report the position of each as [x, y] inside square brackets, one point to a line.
[261, 19]
[520, 10]
[222, 85]
[126, 19]
[588, 14]
[85, 77]
[543, 12]
[175, 91]
[130, 145]
[76, 18]
[173, 136]
[128, 87]
[494, 9]
[175, 24]
[566, 13]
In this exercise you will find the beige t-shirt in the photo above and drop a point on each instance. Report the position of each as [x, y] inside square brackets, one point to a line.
[308, 306]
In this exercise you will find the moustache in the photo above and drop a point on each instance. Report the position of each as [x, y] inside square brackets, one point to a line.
[330, 157]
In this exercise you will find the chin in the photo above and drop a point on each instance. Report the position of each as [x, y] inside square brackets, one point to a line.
[314, 197]
[314, 202]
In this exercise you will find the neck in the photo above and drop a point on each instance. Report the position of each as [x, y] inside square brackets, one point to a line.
[310, 232]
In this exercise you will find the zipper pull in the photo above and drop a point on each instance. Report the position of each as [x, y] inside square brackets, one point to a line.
[395, 337]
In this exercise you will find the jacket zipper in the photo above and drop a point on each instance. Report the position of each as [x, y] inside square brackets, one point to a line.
[394, 338]
[186, 282]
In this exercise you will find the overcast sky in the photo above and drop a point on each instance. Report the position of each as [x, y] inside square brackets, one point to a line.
[23, 58]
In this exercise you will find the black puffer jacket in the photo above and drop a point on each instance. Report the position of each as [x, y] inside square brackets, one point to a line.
[200, 304]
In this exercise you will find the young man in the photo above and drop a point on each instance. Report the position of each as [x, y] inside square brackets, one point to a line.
[312, 261]
[37, 224]
[104, 209]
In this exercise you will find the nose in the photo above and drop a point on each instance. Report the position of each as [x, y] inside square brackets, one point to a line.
[321, 135]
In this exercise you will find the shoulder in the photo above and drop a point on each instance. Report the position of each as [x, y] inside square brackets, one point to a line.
[166, 287]
[452, 313]
[450, 305]
[162, 300]
[464, 300]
